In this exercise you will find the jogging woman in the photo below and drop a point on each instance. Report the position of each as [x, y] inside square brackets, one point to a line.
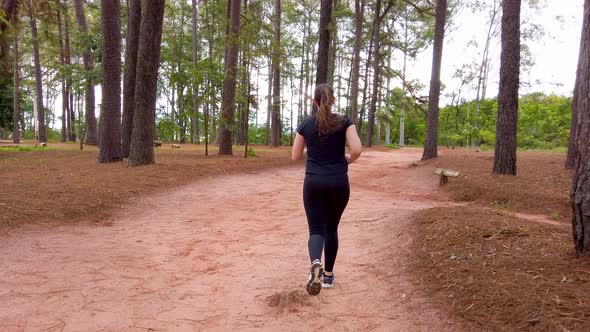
[325, 188]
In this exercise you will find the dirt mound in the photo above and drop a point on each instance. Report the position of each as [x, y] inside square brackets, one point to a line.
[541, 186]
[498, 272]
[290, 301]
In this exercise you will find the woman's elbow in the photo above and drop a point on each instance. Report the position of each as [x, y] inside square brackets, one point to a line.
[295, 157]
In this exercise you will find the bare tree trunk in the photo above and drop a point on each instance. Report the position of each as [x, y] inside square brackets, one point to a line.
[131, 46]
[359, 6]
[148, 62]
[64, 91]
[70, 102]
[16, 93]
[505, 154]
[228, 104]
[110, 115]
[276, 105]
[42, 133]
[376, 70]
[572, 149]
[580, 192]
[269, 107]
[333, 44]
[196, 134]
[431, 145]
[91, 132]
[324, 44]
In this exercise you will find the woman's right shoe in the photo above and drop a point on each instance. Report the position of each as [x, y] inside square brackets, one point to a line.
[314, 286]
[328, 281]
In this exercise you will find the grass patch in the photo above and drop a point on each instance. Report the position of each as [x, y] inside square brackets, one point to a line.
[21, 148]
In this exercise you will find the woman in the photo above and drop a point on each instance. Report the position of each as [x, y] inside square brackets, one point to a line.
[325, 189]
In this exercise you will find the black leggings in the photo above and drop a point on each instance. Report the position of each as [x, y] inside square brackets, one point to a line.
[324, 199]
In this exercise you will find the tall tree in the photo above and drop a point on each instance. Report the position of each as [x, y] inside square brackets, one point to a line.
[359, 10]
[580, 193]
[431, 144]
[16, 91]
[64, 92]
[376, 67]
[41, 130]
[276, 68]
[71, 118]
[195, 114]
[110, 115]
[324, 44]
[9, 9]
[228, 103]
[148, 62]
[131, 44]
[91, 133]
[505, 153]
[570, 161]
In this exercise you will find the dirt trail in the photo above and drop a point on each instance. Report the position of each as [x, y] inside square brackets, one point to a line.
[226, 253]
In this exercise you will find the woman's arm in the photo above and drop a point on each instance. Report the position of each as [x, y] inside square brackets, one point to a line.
[354, 144]
[298, 147]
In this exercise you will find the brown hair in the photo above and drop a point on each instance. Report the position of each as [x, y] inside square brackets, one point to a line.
[323, 98]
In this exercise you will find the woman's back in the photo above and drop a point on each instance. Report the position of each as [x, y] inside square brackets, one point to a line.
[325, 152]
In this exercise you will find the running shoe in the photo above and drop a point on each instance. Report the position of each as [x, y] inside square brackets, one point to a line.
[328, 281]
[314, 285]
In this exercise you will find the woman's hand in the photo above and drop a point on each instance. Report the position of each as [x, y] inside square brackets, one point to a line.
[347, 156]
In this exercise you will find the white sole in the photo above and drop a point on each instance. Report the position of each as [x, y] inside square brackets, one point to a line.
[314, 285]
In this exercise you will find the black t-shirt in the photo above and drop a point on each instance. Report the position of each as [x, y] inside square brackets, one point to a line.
[325, 154]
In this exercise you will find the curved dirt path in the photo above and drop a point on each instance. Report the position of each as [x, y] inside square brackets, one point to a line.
[226, 253]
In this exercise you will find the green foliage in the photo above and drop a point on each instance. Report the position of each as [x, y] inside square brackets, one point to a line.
[250, 153]
[21, 148]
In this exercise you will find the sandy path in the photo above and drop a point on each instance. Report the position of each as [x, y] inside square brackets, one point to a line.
[226, 253]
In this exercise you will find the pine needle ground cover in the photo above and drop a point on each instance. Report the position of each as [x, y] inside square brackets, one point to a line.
[65, 185]
[488, 268]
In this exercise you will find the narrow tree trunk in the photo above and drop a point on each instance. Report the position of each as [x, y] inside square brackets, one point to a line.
[359, 9]
[365, 84]
[324, 44]
[64, 92]
[91, 132]
[110, 115]
[131, 46]
[70, 102]
[228, 103]
[505, 154]
[196, 129]
[333, 44]
[42, 132]
[431, 145]
[269, 106]
[16, 92]
[148, 62]
[276, 105]
[376, 70]
[580, 192]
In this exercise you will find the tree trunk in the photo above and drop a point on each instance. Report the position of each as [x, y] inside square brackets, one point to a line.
[366, 83]
[572, 150]
[505, 154]
[228, 104]
[333, 44]
[70, 102]
[580, 193]
[9, 8]
[196, 130]
[16, 92]
[359, 9]
[269, 106]
[376, 69]
[132, 44]
[110, 115]
[276, 105]
[42, 132]
[91, 130]
[148, 62]
[64, 91]
[431, 145]
[324, 43]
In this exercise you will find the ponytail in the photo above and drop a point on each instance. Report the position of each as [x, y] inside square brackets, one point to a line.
[327, 122]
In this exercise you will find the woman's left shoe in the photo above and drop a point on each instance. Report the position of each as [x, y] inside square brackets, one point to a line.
[314, 285]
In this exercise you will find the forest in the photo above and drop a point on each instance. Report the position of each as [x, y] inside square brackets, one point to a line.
[191, 73]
